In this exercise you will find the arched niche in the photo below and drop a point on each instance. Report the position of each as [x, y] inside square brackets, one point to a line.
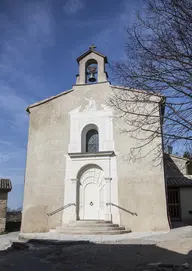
[91, 71]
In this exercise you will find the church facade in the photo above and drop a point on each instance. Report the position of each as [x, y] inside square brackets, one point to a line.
[76, 166]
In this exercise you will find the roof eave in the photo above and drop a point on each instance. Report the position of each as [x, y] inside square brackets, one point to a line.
[139, 91]
[89, 52]
[48, 99]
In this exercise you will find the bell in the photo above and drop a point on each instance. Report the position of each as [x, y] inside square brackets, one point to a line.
[92, 71]
[92, 78]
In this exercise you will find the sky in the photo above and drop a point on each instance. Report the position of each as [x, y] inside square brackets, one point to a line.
[40, 41]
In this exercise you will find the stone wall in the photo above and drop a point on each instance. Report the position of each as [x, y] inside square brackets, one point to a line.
[14, 216]
[3, 210]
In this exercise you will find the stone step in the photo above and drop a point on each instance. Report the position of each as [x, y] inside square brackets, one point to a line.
[91, 232]
[84, 229]
[89, 222]
[90, 227]
[80, 225]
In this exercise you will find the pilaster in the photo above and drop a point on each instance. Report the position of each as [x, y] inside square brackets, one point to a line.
[107, 214]
[70, 213]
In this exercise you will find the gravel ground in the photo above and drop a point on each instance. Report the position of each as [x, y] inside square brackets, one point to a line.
[172, 249]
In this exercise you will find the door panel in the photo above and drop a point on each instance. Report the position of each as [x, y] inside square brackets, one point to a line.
[174, 206]
[91, 201]
[91, 197]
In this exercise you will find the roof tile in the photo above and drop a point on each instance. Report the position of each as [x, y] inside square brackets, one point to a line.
[179, 181]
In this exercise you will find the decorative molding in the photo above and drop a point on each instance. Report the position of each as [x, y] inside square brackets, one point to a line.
[85, 84]
[106, 107]
[91, 105]
[88, 154]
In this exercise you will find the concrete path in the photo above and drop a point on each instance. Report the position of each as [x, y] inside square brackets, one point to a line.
[119, 253]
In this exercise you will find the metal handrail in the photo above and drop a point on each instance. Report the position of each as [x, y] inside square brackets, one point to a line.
[61, 208]
[123, 209]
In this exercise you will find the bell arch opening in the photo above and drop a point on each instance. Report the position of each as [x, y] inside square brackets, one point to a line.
[91, 71]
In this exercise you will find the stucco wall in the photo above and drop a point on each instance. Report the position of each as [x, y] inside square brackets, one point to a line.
[47, 148]
[186, 204]
[3, 210]
[141, 184]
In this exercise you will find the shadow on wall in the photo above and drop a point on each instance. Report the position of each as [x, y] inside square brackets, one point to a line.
[12, 226]
[13, 221]
[84, 255]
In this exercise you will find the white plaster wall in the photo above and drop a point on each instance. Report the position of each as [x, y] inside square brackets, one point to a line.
[73, 167]
[101, 118]
[186, 204]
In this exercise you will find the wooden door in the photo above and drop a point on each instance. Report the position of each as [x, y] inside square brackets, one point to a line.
[174, 206]
[91, 201]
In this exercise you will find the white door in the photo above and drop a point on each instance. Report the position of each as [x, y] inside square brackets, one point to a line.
[91, 201]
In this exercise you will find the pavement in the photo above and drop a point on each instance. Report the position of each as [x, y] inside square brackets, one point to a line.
[136, 251]
[6, 240]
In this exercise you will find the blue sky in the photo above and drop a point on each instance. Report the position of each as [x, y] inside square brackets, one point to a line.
[40, 41]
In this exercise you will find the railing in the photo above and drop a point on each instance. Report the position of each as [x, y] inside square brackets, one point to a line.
[61, 208]
[121, 208]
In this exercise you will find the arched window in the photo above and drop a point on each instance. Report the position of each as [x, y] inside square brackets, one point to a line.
[92, 141]
[90, 138]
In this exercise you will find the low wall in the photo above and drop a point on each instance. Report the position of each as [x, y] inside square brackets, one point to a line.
[3, 210]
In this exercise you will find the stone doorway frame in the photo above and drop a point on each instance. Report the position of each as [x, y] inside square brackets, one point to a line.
[75, 162]
[98, 180]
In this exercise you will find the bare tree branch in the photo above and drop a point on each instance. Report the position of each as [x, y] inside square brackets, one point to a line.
[159, 61]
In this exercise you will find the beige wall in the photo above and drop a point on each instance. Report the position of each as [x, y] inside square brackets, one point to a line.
[3, 210]
[141, 184]
[186, 204]
[47, 146]
[141, 187]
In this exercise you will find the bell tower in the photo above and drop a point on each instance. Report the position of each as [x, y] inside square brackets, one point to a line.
[91, 67]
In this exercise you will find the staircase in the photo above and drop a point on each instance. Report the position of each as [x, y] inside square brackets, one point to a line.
[90, 227]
